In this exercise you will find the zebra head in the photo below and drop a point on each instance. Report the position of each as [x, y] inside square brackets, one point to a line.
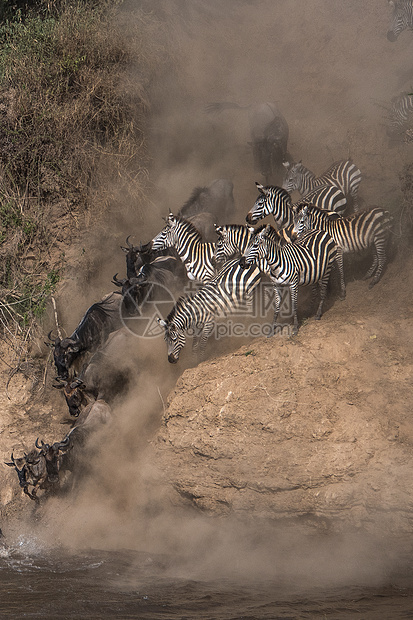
[272, 200]
[166, 238]
[174, 338]
[257, 250]
[402, 18]
[228, 244]
[302, 220]
[293, 176]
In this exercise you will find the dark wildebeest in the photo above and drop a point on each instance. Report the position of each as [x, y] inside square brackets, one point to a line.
[105, 377]
[100, 320]
[208, 206]
[90, 419]
[140, 286]
[269, 137]
[39, 468]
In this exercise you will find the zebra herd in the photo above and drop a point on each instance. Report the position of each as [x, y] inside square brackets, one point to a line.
[308, 240]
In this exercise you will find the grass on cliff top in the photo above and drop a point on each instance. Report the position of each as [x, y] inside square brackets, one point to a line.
[74, 78]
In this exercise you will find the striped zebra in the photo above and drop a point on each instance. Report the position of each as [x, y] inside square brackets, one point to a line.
[354, 233]
[401, 19]
[293, 264]
[231, 290]
[342, 174]
[401, 107]
[196, 255]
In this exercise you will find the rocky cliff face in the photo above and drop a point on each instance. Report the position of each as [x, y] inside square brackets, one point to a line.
[316, 427]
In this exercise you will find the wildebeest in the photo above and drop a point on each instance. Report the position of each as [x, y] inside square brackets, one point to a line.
[100, 320]
[269, 136]
[39, 469]
[90, 419]
[210, 205]
[105, 377]
[140, 286]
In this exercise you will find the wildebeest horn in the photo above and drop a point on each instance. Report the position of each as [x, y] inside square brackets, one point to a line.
[12, 464]
[52, 339]
[128, 243]
[116, 281]
[65, 443]
[43, 446]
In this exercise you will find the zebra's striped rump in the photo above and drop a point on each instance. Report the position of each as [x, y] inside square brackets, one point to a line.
[197, 255]
[399, 115]
[342, 174]
[308, 260]
[354, 233]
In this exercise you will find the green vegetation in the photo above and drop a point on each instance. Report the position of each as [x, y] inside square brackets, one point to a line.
[72, 111]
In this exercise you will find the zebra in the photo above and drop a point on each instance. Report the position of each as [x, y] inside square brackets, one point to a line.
[293, 264]
[402, 18]
[353, 233]
[230, 290]
[197, 255]
[342, 174]
[401, 107]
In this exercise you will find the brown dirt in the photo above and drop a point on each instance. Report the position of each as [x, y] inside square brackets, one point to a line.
[315, 427]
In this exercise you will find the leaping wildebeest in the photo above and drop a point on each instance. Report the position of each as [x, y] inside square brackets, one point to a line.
[39, 468]
[269, 133]
[100, 320]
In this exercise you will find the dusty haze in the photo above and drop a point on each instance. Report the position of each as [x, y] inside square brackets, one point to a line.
[330, 68]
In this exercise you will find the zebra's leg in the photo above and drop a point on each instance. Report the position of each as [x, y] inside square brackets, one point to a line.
[378, 263]
[294, 297]
[373, 268]
[322, 285]
[277, 305]
[196, 338]
[206, 332]
[340, 266]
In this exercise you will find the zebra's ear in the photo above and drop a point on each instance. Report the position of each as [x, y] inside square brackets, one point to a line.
[261, 188]
[161, 322]
[218, 229]
[251, 229]
[286, 164]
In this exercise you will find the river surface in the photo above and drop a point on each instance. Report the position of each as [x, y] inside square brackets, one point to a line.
[105, 584]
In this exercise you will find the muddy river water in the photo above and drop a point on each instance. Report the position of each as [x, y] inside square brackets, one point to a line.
[35, 583]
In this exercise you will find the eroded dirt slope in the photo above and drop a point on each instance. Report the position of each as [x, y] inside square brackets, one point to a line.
[318, 426]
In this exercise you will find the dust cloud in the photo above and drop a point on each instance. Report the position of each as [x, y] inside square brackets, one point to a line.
[327, 64]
